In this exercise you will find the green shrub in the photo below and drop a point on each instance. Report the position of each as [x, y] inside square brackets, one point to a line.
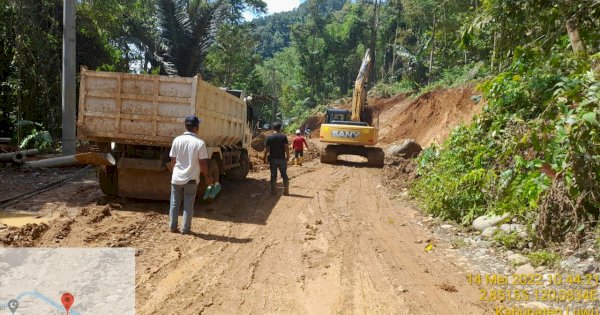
[544, 258]
[510, 240]
[385, 90]
[456, 76]
[534, 151]
[37, 137]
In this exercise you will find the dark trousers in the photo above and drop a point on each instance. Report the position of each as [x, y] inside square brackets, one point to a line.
[280, 164]
[298, 153]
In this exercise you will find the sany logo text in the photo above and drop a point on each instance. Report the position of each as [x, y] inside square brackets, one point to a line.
[345, 134]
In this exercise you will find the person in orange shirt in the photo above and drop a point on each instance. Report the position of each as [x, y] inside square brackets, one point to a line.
[298, 146]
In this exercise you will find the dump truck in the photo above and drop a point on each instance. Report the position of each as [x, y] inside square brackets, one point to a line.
[130, 121]
[352, 132]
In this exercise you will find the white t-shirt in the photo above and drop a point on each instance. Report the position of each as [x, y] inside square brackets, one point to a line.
[187, 150]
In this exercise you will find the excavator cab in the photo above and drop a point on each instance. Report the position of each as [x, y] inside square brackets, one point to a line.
[341, 117]
[337, 115]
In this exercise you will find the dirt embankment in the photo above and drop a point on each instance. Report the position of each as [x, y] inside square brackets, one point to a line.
[429, 118]
[377, 106]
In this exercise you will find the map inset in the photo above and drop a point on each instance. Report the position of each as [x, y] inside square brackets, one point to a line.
[74, 281]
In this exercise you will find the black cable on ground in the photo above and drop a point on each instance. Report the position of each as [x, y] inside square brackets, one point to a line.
[13, 200]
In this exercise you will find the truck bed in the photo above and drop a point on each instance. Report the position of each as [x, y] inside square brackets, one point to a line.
[150, 109]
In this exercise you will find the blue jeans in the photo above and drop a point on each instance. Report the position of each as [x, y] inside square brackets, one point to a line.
[185, 194]
[280, 164]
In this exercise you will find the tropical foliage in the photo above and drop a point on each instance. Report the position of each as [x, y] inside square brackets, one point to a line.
[153, 36]
[534, 151]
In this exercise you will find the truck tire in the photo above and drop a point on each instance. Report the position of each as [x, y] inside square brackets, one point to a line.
[240, 172]
[329, 155]
[107, 178]
[375, 157]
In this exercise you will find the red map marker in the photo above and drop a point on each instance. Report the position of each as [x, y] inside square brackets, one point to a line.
[67, 300]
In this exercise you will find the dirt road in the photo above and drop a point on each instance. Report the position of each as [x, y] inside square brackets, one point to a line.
[337, 245]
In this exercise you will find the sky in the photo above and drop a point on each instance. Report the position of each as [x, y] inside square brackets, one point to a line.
[274, 6]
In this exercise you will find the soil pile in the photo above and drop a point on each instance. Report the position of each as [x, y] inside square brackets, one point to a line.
[258, 143]
[24, 236]
[257, 146]
[256, 158]
[429, 118]
[399, 173]
[314, 123]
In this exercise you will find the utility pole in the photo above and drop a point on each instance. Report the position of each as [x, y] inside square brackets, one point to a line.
[68, 78]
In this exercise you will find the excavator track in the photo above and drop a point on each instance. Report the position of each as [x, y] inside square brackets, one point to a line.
[329, 155]
[374, 155]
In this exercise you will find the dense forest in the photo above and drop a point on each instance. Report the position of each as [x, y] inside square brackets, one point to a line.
[535, 146]
[302, 58]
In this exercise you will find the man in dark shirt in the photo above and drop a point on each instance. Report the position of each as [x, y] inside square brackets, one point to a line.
[277, 153]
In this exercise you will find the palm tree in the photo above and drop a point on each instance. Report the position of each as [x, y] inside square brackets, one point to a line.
[187, 29]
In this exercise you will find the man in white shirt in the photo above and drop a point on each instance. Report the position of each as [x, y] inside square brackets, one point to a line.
[189, 158]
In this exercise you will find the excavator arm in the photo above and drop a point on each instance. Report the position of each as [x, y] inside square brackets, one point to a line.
[359, 96]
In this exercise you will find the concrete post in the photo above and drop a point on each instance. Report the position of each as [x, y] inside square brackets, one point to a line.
[68, 79]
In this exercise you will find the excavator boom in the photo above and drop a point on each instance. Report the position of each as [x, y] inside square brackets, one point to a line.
[359, 96]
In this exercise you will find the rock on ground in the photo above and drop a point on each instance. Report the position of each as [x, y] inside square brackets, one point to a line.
[526, 269]
[486, 221]
[407, 148]
[518, 259]
[489, 232]
[508, 228]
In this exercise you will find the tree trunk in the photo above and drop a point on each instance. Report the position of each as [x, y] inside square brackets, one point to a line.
[493, 53]
[372, 77]
[576, 41]
[432, 48]
[393, 67]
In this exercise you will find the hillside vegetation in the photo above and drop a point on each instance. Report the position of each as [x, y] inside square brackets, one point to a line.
[534, 151]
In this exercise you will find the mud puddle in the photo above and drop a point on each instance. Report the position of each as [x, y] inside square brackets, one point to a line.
[19, 219]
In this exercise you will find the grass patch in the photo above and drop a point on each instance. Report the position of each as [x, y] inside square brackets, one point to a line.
[510, 240]
[386, 90]
[544, 258]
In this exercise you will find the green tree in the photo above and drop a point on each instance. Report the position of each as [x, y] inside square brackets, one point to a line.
[346, 41]
[232, 59]
[284, 79]
[188, 29]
